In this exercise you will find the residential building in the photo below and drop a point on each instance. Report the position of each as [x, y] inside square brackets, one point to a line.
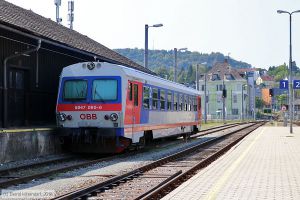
[223, 76]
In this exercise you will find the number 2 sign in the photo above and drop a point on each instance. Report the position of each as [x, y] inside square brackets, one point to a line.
[296, 84]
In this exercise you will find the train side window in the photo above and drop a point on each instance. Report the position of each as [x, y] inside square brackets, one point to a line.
[146, 97]
[199, 104]
[162, 100]
[186, 99]
[154, 98]
[175, 101]
[130, 91]
[136, 95]
[195, 103]
[191, 99]
[180, 101]
[169, 104]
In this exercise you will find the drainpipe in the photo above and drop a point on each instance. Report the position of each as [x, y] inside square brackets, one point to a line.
[5, 88]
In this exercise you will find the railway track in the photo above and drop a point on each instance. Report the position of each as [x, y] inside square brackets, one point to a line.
[25, 173]
[158, 178]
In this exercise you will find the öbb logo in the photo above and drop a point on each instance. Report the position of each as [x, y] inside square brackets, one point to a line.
[88, 116]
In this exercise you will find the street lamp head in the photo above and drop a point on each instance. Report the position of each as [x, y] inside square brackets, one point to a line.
[182, 49]
[282, 11]
[297, 11]
[157, 25]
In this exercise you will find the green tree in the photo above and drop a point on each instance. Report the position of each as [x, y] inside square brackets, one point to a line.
[280, 72]
[259, 103]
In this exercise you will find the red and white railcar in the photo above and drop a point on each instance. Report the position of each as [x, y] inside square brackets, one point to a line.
[106, 108]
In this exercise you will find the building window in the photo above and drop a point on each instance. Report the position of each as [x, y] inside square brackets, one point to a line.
[202, 87]
[215, 77]
[235, 98]
[221, 87]
[235, 111]
[229, 77]
[219, 98]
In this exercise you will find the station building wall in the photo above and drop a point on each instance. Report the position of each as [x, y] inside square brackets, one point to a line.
[32, 88]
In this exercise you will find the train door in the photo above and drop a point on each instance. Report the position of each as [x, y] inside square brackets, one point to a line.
[199, 109]
[133, 106]
[16, 97]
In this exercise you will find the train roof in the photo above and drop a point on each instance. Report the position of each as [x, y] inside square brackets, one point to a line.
[77, 70]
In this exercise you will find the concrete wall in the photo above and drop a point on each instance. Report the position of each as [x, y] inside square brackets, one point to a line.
[27, 144]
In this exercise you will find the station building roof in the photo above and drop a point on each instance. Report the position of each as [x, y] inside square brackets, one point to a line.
[27, 21]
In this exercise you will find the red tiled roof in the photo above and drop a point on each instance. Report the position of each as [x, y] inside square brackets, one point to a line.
[243, 70]
[223, 69]
[267, 78]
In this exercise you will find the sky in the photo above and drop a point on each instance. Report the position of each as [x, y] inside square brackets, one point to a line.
[247, 30]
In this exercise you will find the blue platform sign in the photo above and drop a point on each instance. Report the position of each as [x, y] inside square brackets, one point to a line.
[284, 84]
[296, 84]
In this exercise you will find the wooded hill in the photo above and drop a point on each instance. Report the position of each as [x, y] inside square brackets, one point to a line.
[162, 62]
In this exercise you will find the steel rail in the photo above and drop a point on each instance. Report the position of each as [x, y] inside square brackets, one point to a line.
[14, 181]
[36, 164]
[88, 191]
[172, 184]
[18, 180]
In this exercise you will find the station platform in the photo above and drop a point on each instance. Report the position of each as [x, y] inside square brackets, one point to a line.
[27, 143]
[264, 165]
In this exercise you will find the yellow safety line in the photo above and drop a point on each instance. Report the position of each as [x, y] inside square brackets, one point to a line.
[25, 130]
[222, 180]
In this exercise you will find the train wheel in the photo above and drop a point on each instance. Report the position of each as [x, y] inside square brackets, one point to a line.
[186, 136]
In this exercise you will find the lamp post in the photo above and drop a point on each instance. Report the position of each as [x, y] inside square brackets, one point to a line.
[290, 65]
[244, 85]
[146, 42]
[175, 62]
[205, 93]
[224, 100]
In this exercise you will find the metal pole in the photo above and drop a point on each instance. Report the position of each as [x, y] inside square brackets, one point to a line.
[57, 14]
[175, 65]
[231, 103]
[223, 103]
[205, 99]
[242, 102]
[254, 117]
[197, 81]
[290, 79]
[146, 46]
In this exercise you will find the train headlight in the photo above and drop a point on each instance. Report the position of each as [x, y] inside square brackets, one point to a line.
[114, 117]
[106, 117]
[69, 117]
[62, 117]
